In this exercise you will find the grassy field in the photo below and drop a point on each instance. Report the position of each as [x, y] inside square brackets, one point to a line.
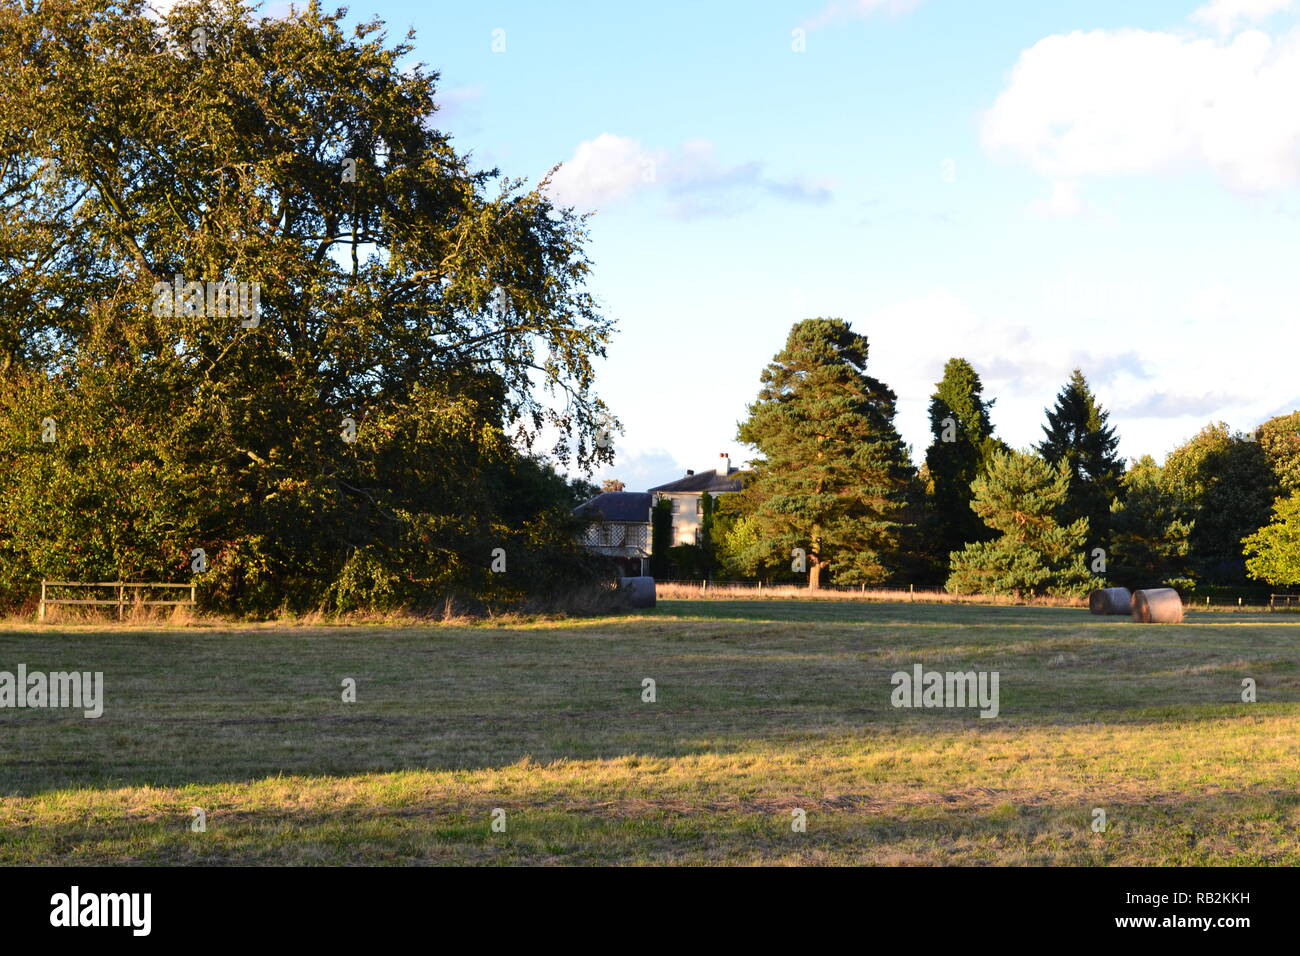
[762, 708]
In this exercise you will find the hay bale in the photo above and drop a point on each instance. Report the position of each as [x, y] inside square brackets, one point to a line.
[1111, 601]
[1157, 606]
[640, 591]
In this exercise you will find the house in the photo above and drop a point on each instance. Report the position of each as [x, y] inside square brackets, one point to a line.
[687, 497]
[620, 522]
[619, 529]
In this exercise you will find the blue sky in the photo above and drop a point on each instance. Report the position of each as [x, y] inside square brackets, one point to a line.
[1030, 186]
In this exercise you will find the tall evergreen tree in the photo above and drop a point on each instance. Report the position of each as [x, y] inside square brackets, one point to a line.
[833, 474]
[962, 445]
[1077, 434]
[1019, 497]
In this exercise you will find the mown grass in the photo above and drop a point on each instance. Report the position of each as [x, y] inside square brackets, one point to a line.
[762, 708]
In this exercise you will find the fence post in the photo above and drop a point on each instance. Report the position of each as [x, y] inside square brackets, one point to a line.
[911, 592]
[121, 597]
[42, 612]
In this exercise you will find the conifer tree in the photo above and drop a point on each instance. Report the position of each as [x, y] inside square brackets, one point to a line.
[830, 486]
[1077, 434]
[1019, 497]
[962, 445]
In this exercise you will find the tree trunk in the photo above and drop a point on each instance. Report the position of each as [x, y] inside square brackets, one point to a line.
[814, 559]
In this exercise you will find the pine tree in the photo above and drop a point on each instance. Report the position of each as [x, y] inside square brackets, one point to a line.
[833, 477]
[962, 445]
[1019, 496]
[1078, 435]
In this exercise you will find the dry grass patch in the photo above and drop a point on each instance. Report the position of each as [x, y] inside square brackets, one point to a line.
[762, 708]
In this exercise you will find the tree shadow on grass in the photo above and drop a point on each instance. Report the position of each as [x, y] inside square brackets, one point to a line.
[187, 708]
[1243, 827]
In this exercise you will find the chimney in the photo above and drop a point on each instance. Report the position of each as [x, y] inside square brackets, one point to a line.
[724, 466]
[689, 472]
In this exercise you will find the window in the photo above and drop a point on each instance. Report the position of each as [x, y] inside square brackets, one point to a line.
[699, 506]
[677, 506]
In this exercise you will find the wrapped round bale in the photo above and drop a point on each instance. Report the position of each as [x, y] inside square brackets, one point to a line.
[640, 591]
[1111, 601]
[1157, 606]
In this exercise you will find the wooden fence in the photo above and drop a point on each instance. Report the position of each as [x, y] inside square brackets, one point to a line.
[120, 601]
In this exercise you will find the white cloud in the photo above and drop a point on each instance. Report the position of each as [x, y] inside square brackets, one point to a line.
[1160, 388]
[639, 470]
[1198, 405]
[610, 168]
[1109, 103]
[1224, 15]
[602, 169]
[700, 184]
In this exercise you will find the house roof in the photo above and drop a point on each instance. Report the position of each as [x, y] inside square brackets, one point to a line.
[617, 506]
[702, 481]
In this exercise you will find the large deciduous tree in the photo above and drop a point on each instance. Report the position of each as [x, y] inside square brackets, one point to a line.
[1280, 439]
[833, 475]
[1273, 552]
[368, 435]
[1227, 487]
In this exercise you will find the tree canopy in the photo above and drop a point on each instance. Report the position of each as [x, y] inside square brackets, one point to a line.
[1273, 552]
[1019, 497]
[1077, 434]
[273, 314]
[1149, 533]
[1226, 486]
[1280, 440]
[961, 447]
[833, 476]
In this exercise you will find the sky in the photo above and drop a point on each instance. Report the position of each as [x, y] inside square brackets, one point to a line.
[1033, 187]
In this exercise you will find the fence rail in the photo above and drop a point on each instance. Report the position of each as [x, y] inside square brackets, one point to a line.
[120, 601]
